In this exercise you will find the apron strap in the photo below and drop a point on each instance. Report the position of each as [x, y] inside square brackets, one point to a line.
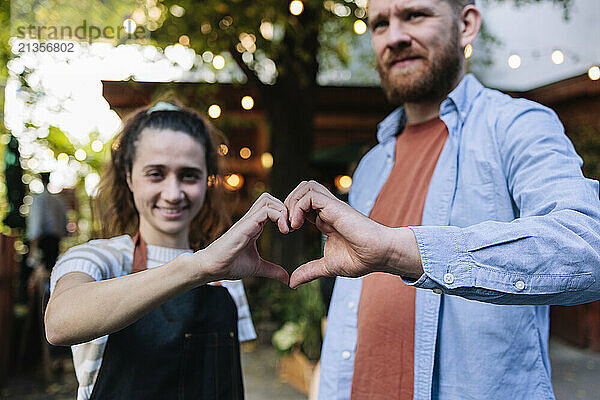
[140, 254]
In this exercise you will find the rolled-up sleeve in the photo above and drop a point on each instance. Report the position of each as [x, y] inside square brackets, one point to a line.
[551, 253]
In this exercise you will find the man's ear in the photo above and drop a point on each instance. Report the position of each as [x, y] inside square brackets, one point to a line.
[470, 23]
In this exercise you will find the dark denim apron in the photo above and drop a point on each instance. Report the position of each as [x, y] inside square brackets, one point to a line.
[186, 348]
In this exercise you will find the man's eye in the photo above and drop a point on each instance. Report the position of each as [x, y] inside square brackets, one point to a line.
[416, 15]
[379, 25]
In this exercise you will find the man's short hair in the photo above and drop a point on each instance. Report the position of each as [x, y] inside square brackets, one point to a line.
[458, 5]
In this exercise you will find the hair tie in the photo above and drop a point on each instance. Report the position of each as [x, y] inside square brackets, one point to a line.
[163, 106]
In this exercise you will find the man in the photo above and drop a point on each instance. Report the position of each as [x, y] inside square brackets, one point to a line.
[502, 223]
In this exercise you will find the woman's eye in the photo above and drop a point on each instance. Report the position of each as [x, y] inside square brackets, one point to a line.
[154, 174]
[191, 177]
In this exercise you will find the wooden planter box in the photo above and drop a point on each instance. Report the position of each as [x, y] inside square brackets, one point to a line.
[579, 325]
[297, 370]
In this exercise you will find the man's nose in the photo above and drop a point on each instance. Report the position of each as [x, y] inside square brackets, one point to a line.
[398, 35]
[172, 190]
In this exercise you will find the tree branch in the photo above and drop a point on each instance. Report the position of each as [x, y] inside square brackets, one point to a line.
[251, 75]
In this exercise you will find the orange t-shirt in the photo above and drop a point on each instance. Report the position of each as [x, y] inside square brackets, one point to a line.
[384, 363]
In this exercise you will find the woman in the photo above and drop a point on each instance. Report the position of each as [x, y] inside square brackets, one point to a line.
[142, 332]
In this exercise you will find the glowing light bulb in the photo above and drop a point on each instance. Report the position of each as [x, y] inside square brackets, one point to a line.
[266, 160]
[514, 61]
[296, 7]
[360, 27]
[214, 111]
[558, 57]
[247, 102]
[594, 73]
[245, 153]
[218, 62]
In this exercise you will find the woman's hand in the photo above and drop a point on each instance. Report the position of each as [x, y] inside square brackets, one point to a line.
[234, 255]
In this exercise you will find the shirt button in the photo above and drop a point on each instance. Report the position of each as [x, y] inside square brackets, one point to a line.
[389, 160]
[437, 291]
[346, 355]
[448, 278]
[463, 114]
[520, 285]
[369, 202]
[351, 305]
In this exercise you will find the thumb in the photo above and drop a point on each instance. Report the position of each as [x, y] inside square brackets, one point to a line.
[270, 270]
[308, 272]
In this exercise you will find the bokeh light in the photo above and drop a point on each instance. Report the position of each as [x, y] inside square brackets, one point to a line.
[360, 27]
[247, 102]
[214, 111]
[343, 183]
[266, 159]
[296, 7]
[514, 61]
[234, 182]
[245, 153]
[558, 57]
[594, 73]
[218, 62]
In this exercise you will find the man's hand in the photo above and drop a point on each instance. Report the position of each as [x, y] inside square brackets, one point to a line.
[356, 245]
[234, 255]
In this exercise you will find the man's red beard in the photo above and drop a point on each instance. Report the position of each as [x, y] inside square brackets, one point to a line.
[431, 81]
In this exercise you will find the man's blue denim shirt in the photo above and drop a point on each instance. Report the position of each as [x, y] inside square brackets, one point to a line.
[510, 226]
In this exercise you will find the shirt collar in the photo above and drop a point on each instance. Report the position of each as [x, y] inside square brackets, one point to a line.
[459, 100]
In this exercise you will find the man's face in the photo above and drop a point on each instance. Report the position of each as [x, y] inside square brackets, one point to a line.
[417, 48]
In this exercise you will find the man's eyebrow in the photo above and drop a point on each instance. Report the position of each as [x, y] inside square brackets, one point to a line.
[417, 9]
[373, 18]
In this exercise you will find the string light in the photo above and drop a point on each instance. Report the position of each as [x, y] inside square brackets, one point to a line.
[214, 111]
[234, 182]
[360, 27]
[223, 149]
[97, 146]
[266, 160]
[129, 25]
[245, 153]
[343, 183]
[218, 62]
[296, 7]
[594, 73]
[247, 102]
[514, 61]
[80, 154]
[558, 57]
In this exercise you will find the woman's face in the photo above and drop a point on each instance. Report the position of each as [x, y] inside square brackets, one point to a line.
[168, 181]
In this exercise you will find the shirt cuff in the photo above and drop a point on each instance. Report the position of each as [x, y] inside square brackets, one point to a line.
[446, 262]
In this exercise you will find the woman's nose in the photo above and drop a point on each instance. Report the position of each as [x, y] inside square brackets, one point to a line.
[172, 190]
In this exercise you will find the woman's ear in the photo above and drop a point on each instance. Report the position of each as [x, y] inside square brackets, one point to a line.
[129, 183]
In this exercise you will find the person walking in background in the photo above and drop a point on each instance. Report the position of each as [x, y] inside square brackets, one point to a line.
[46, 226]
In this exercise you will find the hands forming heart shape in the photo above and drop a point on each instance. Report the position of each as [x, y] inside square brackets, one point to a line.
[355, 245]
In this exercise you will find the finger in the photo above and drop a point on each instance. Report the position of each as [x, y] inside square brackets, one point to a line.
[311, 201]
[308, 272]
[298, 192]
[273, 271]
